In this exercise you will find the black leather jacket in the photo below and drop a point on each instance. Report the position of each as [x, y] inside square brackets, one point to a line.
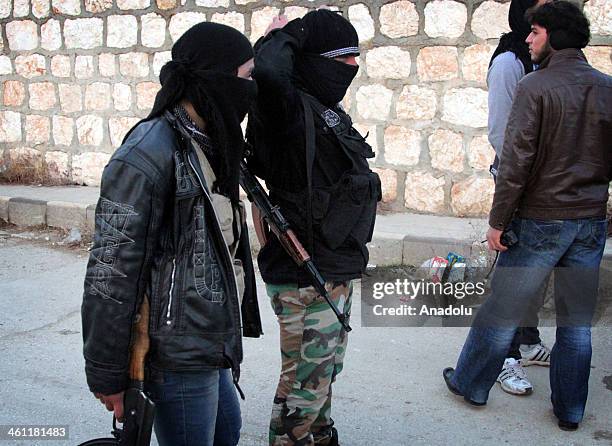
[157, 234]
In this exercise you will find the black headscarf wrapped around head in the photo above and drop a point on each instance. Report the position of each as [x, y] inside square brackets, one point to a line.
[203, 72]
[514, 41]
[329, 35]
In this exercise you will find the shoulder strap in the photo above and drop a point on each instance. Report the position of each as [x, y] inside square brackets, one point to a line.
[310, 155]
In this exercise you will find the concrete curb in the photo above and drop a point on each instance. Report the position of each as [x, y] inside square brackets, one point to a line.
[386, 248]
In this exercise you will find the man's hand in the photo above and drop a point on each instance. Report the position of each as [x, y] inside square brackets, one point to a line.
[494, 240]
[113, 403]
[277, 23]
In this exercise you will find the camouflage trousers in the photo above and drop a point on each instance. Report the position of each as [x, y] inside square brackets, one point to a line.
[312, 344]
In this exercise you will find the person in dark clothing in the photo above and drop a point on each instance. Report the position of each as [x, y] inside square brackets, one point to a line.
[315, 165]
[552, 191]
[509, 63]
[170, 228]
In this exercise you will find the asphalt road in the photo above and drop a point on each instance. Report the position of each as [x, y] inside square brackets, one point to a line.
[390, 393]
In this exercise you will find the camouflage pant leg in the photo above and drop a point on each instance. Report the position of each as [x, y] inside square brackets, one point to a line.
[312, 350]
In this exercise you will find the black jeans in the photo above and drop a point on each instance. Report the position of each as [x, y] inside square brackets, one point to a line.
[524, 334]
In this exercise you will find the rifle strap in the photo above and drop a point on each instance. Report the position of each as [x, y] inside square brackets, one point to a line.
[310, 155]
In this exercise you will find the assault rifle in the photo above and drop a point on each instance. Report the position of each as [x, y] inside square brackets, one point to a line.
[287, 238]
[137, 406]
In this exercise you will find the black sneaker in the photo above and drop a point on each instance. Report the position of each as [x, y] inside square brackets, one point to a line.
[567, 425]
[447, 374]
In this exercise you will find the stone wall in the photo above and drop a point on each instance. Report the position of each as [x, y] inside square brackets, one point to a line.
[75, 75]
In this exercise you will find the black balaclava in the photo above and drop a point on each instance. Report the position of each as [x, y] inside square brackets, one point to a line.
[203, 72]
[329, 35]
[514, 41]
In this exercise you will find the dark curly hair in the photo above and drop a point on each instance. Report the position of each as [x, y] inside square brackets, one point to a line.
[565, 23]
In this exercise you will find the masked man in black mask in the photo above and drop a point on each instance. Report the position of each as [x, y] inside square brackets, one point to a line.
[170, 227]
[315, 166]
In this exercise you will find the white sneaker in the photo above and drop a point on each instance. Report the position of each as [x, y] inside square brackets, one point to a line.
[537, 354]
[513, 378]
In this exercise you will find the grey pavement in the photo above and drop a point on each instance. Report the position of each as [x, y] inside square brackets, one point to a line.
[401, 238]
[390, 393]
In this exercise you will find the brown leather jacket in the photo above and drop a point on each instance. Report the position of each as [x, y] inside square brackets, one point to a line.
[556, 162]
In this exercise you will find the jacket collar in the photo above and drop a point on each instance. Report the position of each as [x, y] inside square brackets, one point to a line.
[562, 57]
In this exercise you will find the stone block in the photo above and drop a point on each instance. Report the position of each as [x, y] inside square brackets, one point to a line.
[490, 20]
[4, 208]
[122, 31]
[437, 63]
[31, 65]
[122, 97]
[260, 19]
[159, 60]
[133, 4]
[40, 8]
[66, 7]
[446, 150]
[97, 96]
[63, 130]
[21, 8]
[402, 146]
[181, 22]
[22, 35]
[6, 67]
[107, 64]
[232, 18]
[118, 126]
[10, 126]
[599, 13]
[472, 197]
[476, 62]
[153, 33]
[386, 250]
[83, 33]
[388, 180]
[600, 57]
[42, 95]
[388, 62]
[445, 18]
[84, 67]
[424, 192]
[38, 129]
[466, 106]
[57, 166]
[359, 16]
[374, 102]
[213, 3]
[97, 6]
[14, 93]
[87, 167]
[166, 4]
[295, 12]
[480, 153]
[60, 66]
[91, 218]
[27, 212]
[399, 19]
[134, 64]
[71, 98]
[417, 103]
[145, 94]
[61, 214]
[51, 35]
[89, 130]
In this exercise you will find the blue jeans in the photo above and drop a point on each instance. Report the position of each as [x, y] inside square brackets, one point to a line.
[574, 248]
[195, 408]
